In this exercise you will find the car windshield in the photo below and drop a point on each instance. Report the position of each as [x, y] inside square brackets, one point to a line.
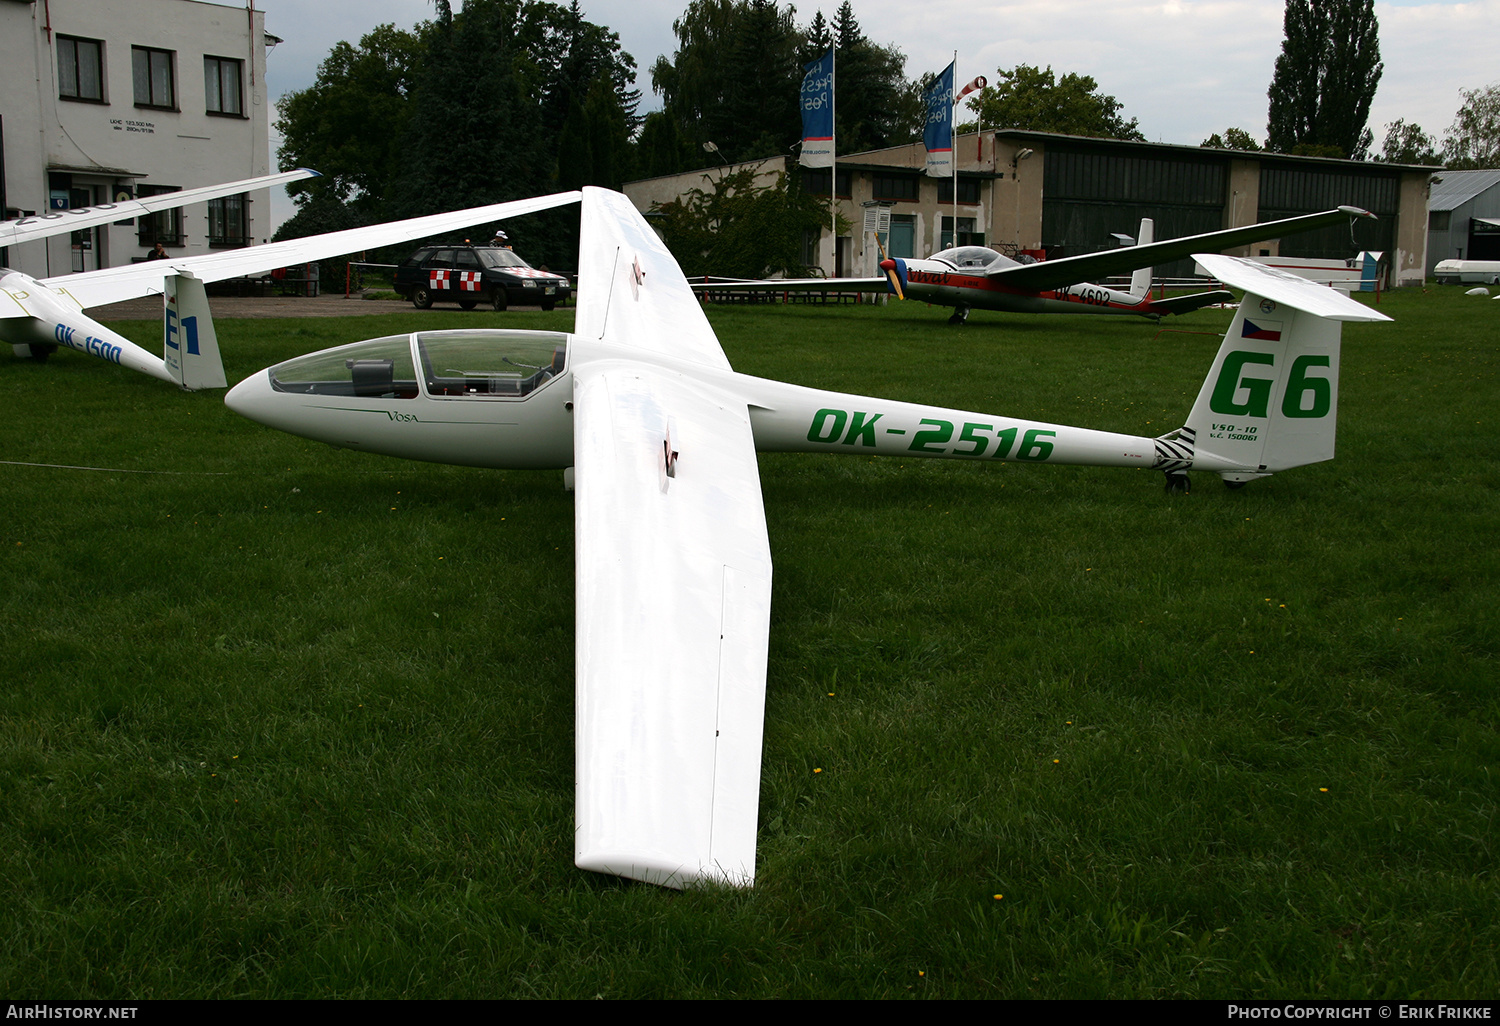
[500, 258]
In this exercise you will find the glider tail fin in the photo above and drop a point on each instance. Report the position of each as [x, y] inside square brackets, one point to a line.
[190, 345]
[1140, 281]
[1270, 401]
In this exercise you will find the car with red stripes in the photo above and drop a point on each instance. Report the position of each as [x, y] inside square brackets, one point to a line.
[470, 275]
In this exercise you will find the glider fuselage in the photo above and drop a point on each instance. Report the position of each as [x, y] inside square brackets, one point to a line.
[36, 317]
[517, 413]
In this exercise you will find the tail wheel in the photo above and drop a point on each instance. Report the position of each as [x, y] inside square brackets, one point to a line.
[421, 298]
[498, 299]
[1177, 481]
[467, 304]
[40, 351]
[550, 304]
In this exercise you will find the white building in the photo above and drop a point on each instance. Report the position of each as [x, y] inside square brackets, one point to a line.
[131, 97]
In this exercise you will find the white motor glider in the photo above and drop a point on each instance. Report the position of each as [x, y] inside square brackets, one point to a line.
[977, 277]
[38, 315]
[673, 563]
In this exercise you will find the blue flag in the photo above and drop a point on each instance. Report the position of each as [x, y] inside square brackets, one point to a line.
[938, 135]
[817, 112]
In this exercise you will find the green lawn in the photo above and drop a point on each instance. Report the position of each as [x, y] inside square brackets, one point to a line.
[280, 720]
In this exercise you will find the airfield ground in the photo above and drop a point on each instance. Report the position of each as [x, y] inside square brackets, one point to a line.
[280, 720]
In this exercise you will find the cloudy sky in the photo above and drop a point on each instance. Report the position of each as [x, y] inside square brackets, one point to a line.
[1185, 68]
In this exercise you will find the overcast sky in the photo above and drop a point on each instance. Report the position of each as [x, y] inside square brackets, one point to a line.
[1184, 68]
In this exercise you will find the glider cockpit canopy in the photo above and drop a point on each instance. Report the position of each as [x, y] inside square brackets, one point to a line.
[455, 364]
[973, 258]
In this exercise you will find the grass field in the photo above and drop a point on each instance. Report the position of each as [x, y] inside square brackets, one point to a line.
[285, 721]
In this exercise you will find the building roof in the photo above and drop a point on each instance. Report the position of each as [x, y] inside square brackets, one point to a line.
[1453, 189]
[1167, 149]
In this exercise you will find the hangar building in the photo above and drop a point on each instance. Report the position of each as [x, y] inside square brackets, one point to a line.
[1067, 195]
[1463, 220]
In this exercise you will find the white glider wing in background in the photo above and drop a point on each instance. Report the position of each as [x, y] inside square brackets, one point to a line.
[37, 317]
[673, 570]
[113, 284]
[41, 226]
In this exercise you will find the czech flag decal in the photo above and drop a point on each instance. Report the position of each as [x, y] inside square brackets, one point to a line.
[1261, 331]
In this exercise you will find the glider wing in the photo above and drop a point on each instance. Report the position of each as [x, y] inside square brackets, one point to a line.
[673, 569]
[113, 284]
[1052, 274]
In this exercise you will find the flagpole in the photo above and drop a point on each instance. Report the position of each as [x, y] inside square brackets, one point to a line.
[953, 144]
[833, 155]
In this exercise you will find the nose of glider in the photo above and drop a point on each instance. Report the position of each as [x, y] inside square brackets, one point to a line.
[252, 398]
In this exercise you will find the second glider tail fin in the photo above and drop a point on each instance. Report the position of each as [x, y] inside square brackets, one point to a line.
[1270, 401]
[190, 346]
[1140, 281]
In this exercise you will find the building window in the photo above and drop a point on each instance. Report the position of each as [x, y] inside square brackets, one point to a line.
[155, 84]
[896, 187]
[164, 226]
[80, 69]
[221, 84]
[1438, 220]
[227, 220]
[815, 181]
[968, 190]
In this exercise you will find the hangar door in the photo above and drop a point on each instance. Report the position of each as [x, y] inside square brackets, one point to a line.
[1089, 194]
[1292, 191]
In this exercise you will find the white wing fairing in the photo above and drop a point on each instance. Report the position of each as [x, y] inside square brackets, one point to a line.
[673, 563]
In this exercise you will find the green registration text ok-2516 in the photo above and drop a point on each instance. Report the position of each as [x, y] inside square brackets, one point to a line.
[933, 437]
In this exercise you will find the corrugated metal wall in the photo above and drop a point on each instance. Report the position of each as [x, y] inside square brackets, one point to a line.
[1290, 191]
[1089, 194]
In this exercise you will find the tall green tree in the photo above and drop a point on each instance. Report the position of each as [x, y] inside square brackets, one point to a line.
[1473, 140]
[733, 80]
[871, 83]
[1027, 97]
[348, 124]
[1325, 79]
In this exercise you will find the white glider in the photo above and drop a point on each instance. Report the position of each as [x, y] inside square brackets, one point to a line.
[38, 315]
[673, 563]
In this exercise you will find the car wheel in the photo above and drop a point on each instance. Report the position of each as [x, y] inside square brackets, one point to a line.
[421, 298]
[467, 304]
[499, 299]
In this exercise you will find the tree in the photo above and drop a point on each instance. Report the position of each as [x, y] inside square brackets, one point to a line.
[1473, 140]
[1325, 79]
[503, 99]
[734, 80]
[739, 229]
[1232, 139]
[871, 81]
[1029, 98]
[348, 124]
[1408, 144]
